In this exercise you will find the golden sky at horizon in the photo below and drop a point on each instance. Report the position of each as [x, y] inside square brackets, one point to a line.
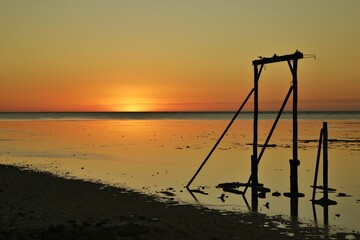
[174, 55]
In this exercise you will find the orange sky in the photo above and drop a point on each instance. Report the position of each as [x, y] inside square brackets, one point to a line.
[163, 55]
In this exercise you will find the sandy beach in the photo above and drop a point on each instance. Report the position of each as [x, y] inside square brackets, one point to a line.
[38, 205]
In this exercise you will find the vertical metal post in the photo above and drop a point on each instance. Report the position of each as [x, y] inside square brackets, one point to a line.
[254, 165]
[294, 208]
[326, 215]
[317, 165]
[254, 191]
[295, 110]
[254, 200]
[324, 201]
[325, 162]
[294, 162]
[254, 168]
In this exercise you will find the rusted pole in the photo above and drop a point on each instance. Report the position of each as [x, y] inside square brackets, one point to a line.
[219, 140]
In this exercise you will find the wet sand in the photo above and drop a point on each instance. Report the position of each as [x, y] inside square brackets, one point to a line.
[35, 205]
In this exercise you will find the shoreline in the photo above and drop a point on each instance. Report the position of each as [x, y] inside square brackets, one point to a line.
[38, 205]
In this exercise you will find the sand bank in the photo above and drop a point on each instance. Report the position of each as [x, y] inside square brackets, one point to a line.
[37, 205]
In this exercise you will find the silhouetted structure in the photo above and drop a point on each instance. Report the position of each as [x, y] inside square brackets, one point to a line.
[292, 60]
[323, 141]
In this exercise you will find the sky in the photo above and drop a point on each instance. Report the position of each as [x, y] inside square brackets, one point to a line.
[188, 55]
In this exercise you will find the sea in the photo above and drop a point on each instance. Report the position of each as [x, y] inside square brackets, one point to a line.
[315, 115]
[158, 153]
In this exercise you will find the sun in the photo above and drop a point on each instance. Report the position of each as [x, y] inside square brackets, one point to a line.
[131, 105]
[134, 108]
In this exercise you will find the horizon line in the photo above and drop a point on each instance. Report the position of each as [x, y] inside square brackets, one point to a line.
[202, 111]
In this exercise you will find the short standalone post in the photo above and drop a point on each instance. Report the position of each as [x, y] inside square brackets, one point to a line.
[324, 201]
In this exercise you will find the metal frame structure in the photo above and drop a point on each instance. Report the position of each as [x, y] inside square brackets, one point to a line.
[292, 60]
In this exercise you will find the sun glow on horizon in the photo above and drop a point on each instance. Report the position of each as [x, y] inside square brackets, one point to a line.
[132, 105]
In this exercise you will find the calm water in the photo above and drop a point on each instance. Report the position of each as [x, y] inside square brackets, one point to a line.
[347, 115]
[158, 153]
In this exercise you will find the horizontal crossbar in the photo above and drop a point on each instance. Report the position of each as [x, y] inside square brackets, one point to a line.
[276, 58]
